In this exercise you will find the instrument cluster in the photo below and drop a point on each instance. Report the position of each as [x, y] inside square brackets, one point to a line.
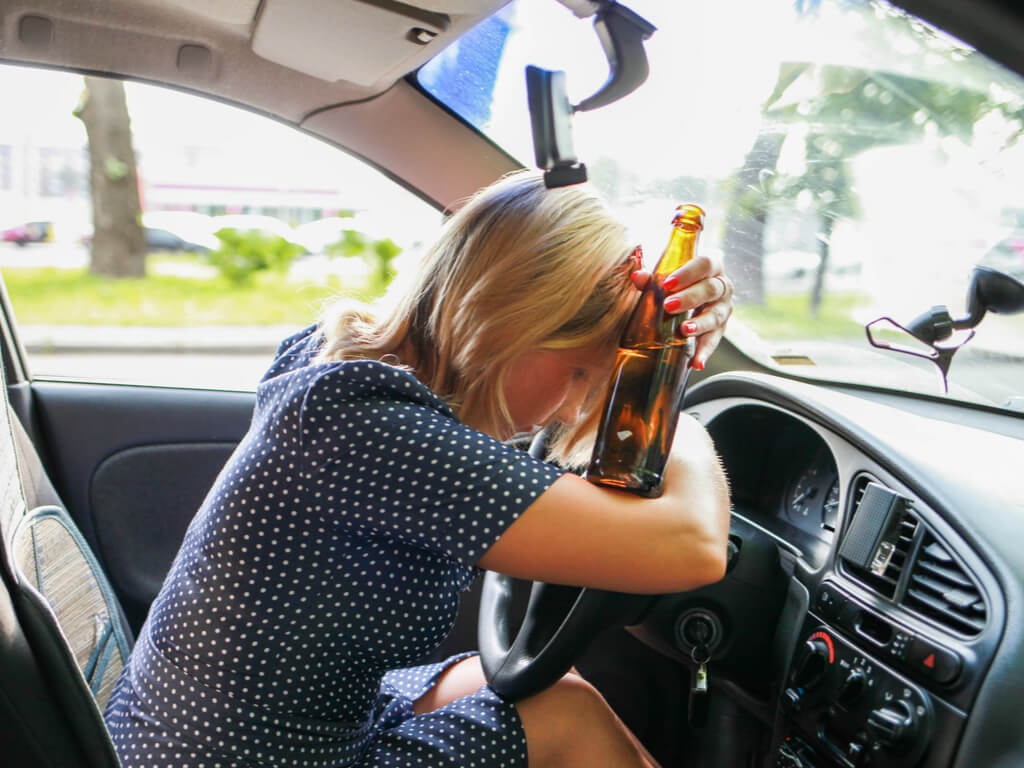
[811, 502]
[782, 476]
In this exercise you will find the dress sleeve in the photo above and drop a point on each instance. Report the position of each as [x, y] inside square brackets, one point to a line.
[293, 352]
[386, 465]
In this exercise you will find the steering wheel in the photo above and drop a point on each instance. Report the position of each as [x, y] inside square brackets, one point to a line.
[559, 623]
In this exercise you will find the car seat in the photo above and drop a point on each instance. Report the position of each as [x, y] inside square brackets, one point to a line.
[63, 637]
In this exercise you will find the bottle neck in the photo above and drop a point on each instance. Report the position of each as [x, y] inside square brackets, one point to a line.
[682, 245]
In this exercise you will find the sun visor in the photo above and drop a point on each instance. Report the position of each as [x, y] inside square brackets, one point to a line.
[366, 42]
[236, 12]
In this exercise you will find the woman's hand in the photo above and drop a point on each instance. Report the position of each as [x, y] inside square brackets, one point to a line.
[700, 285]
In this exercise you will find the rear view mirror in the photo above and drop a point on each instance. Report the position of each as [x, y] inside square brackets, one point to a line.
[622, 34]
[551, 120]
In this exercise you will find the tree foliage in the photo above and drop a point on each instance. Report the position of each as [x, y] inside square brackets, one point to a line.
[838, 112]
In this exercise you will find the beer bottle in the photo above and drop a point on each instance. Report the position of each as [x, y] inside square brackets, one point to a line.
[645, 393]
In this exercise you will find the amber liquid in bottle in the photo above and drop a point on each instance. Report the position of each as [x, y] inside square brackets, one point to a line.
[649, 378]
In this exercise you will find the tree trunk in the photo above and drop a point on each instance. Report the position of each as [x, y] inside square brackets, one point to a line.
[743, 243]
[118, 245]
[824, 249]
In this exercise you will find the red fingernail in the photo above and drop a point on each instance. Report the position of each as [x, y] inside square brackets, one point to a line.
[672, 304]
[697, 365]
[689, 328]
[670, 285]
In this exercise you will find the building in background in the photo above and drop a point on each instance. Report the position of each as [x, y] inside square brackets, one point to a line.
[193, 155]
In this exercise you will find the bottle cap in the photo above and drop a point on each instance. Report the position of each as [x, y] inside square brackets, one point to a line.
[689, 215]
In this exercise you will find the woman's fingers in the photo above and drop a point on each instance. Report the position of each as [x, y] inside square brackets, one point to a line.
[699, 268]
[715, 290]
[712, 290]
[703, 287]
[714, 317]
[710, 298]
[640, 278]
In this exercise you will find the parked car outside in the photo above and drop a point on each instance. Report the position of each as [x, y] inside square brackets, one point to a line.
[31, 232]
[179, 231]
[158, 239]
[170, 240]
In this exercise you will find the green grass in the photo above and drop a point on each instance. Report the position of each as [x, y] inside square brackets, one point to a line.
[51, 296]
[789, 317]
[73, 296]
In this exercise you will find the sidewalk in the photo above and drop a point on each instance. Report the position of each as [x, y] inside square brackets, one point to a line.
[210, 339]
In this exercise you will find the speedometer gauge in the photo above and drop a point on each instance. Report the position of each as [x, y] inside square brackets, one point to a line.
[801, 502]
[830, 510]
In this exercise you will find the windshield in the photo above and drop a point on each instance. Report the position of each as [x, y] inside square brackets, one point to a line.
[853, 161]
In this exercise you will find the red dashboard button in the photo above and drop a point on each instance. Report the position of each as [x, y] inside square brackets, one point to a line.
[934, 662]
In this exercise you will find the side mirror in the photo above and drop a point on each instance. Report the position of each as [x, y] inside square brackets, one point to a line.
[989, 290]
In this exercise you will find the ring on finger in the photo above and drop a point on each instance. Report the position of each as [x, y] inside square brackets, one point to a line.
[725, 288]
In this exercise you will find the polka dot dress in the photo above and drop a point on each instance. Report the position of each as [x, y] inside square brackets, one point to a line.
[328, 556]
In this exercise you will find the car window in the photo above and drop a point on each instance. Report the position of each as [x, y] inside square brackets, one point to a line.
[249, 226]
[854, 163]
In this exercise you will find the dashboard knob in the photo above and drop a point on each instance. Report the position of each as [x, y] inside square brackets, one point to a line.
[852, 688]
[893, 725]
[810, 666]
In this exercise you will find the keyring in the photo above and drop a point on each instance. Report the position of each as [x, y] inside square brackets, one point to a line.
[693, 655]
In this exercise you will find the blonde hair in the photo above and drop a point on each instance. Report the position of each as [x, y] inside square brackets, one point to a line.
[519, 267]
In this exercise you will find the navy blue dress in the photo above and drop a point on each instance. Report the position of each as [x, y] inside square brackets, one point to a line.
[329, 555]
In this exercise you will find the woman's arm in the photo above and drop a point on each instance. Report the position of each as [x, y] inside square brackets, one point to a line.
[577, 533]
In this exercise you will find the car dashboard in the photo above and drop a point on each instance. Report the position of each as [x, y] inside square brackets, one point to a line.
[896, 524]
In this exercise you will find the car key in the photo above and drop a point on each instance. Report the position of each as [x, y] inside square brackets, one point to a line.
[700, 685]
[697, 711]
[701, 656]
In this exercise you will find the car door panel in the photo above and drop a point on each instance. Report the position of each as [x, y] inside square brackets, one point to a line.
[133, 464]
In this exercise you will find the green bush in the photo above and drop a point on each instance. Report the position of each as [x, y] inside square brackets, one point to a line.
[244, 253]
[378, 254]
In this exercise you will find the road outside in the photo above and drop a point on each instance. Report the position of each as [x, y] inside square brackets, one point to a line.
[64, 255]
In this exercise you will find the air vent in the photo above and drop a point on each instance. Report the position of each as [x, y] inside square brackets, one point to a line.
[941, 590]
[882, 573]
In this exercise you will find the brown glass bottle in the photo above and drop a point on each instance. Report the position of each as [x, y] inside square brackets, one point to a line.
[645, 393]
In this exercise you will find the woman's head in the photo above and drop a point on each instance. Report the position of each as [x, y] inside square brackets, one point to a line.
[519, 268]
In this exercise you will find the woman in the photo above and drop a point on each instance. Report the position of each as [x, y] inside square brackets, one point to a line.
[372, 485]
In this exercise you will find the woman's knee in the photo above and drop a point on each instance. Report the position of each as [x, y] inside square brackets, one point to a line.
[560, 719]
[460, 679]
[575, 693]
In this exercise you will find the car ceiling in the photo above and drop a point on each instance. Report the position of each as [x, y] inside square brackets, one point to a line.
[306, 62]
